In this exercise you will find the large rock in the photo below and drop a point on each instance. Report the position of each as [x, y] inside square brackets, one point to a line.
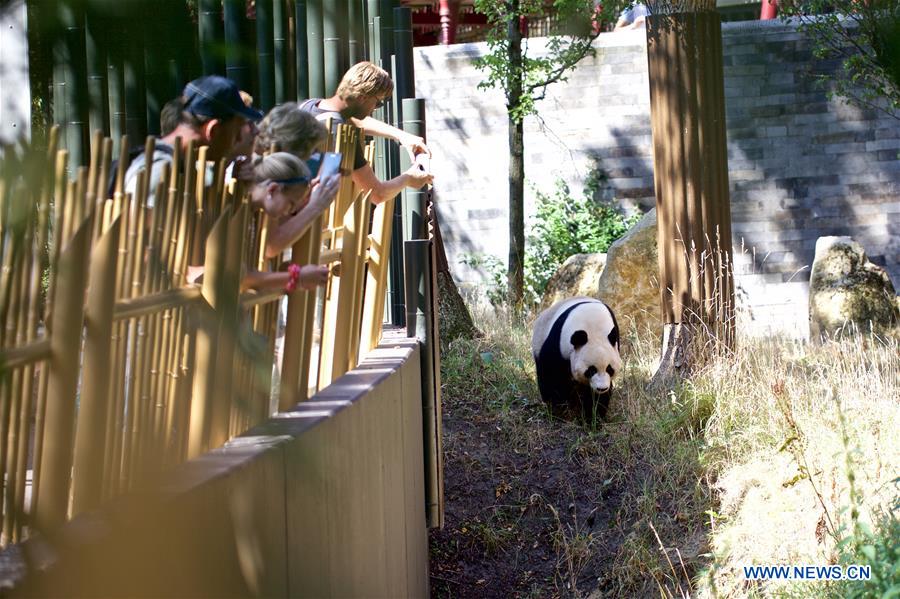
[846, 289]
[578, 275]
[629, 283]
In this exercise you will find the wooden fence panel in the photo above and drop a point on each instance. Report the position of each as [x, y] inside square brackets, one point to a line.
[171, 369]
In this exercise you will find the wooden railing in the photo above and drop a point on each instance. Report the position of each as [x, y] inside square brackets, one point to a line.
[114, 369]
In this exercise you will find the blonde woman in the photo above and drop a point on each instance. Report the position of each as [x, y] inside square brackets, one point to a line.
[282, 189]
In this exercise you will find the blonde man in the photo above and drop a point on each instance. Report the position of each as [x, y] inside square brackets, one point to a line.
[363, 89]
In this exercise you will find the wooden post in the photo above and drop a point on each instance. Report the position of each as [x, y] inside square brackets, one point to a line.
[65, 346]
[337, 318]
[228, 316]
[207, 334]
[90, 444]
[691, 177]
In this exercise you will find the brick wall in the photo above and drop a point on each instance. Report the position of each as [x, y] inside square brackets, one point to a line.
[800, 166]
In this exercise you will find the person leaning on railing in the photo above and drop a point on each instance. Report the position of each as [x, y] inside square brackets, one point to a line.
[364, 88]
[281, 187]
[211, 112]
[286, 129]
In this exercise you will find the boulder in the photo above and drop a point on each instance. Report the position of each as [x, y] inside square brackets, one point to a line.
[629, 283]
[578, 275]
[846, 289]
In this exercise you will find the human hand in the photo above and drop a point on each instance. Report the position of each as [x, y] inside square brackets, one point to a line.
[413, 144]
[418, 178]
[323, 193]
[243, 169]
[312, 276]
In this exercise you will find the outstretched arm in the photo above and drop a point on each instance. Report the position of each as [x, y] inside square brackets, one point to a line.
[413, 143]
[365, 179]
[288, 232]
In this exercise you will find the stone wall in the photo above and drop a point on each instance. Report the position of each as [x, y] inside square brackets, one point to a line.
[15, 102]
[800, 165]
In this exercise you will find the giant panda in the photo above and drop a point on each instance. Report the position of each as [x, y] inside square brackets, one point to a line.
[575, 345]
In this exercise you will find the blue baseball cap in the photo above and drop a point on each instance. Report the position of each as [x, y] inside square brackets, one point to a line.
[217, 97]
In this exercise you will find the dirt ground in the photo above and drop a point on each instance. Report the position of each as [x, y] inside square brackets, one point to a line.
[523, 518]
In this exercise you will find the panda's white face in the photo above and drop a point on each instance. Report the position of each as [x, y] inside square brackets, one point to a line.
[594, 363]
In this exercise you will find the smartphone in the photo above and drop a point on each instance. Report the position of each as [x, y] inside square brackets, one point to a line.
[331, 164]
[313, 163]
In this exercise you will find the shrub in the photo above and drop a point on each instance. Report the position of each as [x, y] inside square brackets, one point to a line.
[564, 225]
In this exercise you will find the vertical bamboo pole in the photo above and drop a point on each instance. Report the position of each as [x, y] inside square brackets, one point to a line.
[212, 40]
[316, 49]
[361, 216]
[270, 66]
[356, 40]
[115, 86]
[11, 390]
[295, 331]
[96, 78]
[374, 25]
[204, 369]
[133, 218]
[116, 389]
[135, 342]
[228, 315]
[235, 65]
[179, 263]
[65, 345]
[332, 364]
[71, 56]
[41, 237]
[376, 276]
[96, 378]
[51, 185]
[135, 86]
[333, 43]
[281, 53]
[301, 49]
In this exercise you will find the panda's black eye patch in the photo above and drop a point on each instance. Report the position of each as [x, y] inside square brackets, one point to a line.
[579, 338]
[610, 371]
[590, 372]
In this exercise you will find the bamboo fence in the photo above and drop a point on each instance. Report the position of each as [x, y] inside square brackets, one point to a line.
[113, 368]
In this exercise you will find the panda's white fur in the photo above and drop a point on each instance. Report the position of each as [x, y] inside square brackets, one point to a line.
[575, 345]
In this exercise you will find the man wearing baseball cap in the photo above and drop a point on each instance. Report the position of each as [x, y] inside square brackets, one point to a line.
[212, 113]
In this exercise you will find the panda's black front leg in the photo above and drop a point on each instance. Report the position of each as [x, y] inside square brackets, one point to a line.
[550, 384]
[602, 402]
[586, 403]
[593, 405]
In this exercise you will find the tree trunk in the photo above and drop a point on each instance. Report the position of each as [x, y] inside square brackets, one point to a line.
[516, 263]
[692, 200]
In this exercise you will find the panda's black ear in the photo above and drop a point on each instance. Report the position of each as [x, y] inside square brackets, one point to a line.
[579, 338]
[614, 337]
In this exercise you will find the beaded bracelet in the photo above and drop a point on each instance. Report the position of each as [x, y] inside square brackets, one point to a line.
[294, 274]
